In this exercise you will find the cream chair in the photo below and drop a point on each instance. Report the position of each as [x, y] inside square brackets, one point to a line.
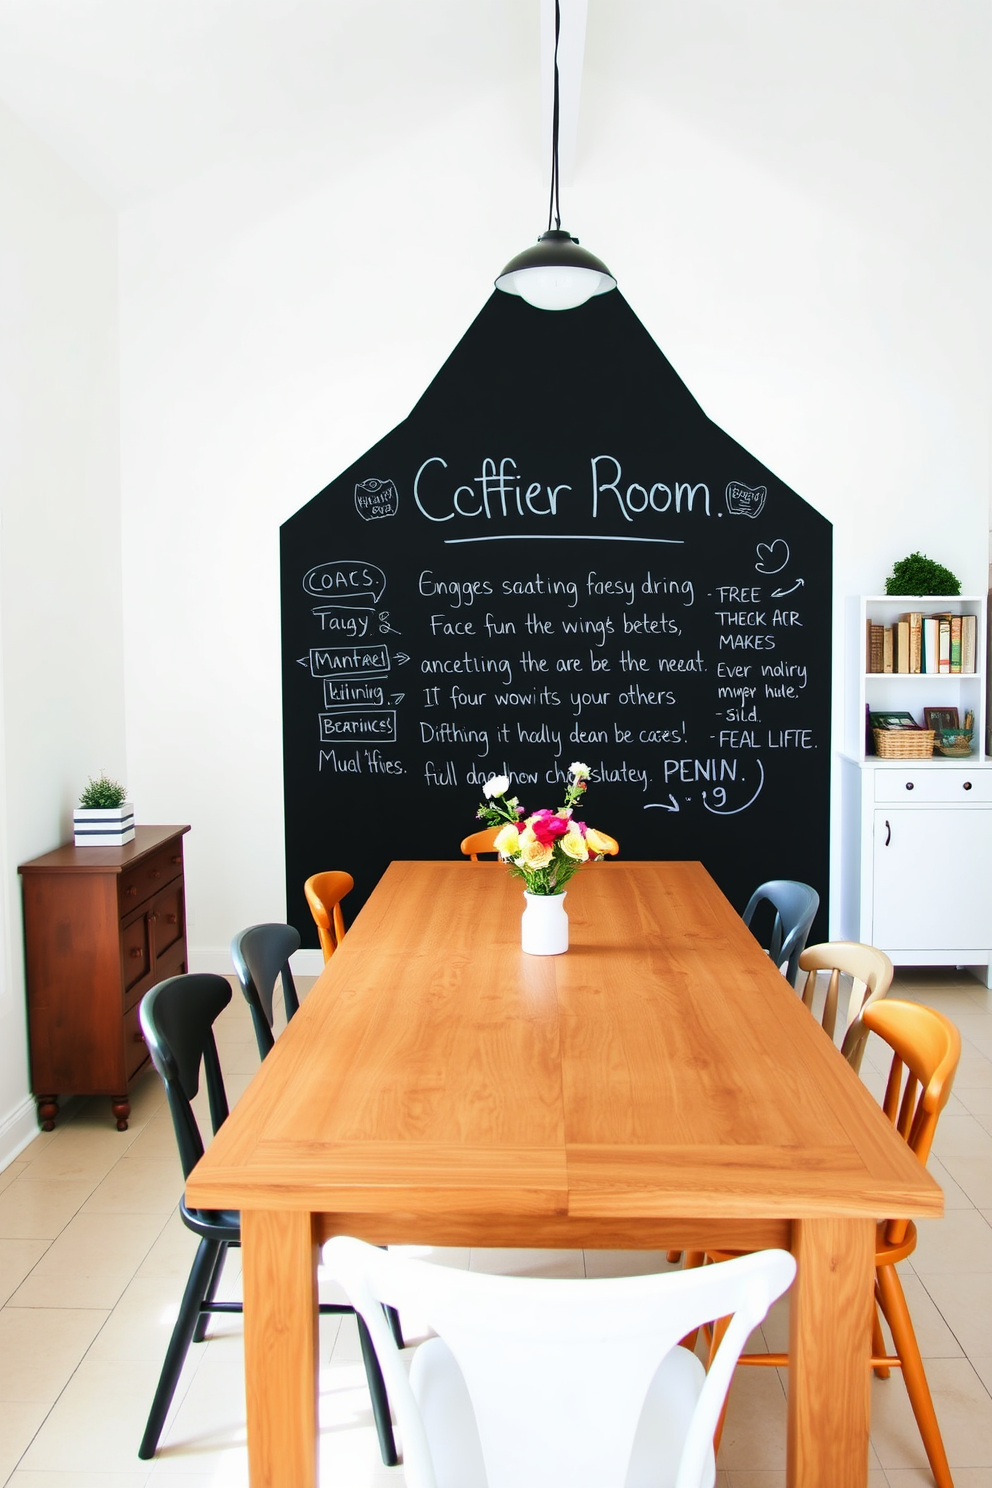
[871, 973]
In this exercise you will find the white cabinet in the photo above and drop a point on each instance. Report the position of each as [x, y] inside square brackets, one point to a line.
[917, 834]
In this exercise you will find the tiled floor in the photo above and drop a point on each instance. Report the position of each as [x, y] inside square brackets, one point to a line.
[93, 1259]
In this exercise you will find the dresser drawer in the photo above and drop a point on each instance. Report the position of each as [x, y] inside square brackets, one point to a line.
[135, 955]
[139, 883]
[918, 787]
[135, 1048]
[169, 911]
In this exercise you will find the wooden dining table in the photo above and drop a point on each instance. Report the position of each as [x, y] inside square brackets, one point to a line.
[658, 1086]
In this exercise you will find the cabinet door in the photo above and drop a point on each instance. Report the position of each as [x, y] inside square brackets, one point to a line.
[931, 879]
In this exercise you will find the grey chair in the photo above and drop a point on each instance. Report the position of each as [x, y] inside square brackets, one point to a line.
[177, 1019]
[793, 906]
[261, 956]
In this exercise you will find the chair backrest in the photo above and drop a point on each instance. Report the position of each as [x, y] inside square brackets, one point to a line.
[794, 905]
[558, 1372]
[177, 1019]
[480, 842]
[871, 973]
[324, 893]
[261, 956]
[926, 1048]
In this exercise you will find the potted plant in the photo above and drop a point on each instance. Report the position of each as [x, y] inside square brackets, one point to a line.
[103, 817]
[919, 574]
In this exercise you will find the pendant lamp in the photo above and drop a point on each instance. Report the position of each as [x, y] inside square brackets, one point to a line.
[556, 273]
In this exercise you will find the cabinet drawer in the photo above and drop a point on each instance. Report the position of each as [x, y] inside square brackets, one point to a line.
[918, 787]
[168, 908]
[139, 883]
[135, 954]
[135, 1048]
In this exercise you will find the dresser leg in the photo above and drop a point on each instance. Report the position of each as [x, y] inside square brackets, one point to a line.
[48, 1110]
[121, 1107]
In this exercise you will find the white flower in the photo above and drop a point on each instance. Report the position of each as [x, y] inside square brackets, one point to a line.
[496, 785]
[580, 771]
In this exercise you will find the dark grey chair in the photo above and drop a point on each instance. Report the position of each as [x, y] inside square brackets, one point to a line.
[261, 956]
[793, 907]
[177, 1019]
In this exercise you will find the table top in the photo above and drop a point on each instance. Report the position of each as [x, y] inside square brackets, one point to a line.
[661, 1066]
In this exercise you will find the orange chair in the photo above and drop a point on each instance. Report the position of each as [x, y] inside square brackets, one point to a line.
[324, 893]
[480, 842]
[926, 1048]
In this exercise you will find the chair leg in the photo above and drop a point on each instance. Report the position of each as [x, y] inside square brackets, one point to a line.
[395, 1326]
[898, 1318]
[201, 1272]
[717, 1329]
[202, 1322]
[380, 1400]
[878, 1349]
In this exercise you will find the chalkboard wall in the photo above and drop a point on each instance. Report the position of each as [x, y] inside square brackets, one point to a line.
[557, 557]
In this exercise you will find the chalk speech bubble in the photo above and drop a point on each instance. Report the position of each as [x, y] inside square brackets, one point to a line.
[347, 580]
[745, 501]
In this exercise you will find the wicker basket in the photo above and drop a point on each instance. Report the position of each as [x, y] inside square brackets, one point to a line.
[955, 743]
[903, 743]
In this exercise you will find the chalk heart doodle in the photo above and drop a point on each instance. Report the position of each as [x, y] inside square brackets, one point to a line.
[773, 556]
[745, 501]
[375, 498]
[346, 582]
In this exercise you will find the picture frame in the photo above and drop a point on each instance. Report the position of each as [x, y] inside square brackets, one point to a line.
[941, 718]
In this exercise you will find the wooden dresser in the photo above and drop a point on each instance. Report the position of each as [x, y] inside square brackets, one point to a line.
[102, 925]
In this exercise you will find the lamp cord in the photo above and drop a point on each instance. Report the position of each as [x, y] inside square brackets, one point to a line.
[554, 205]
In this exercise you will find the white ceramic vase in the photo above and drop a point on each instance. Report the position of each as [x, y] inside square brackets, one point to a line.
[544, 925]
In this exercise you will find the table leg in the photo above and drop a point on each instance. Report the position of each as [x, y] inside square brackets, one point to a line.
[829, 1353]
[279, 1267]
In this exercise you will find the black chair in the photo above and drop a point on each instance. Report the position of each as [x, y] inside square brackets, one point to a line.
[794, 906]
[261, 956]
[177, 1019]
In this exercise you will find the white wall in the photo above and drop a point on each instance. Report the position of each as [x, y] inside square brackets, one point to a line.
[61, 663]
[788, 198]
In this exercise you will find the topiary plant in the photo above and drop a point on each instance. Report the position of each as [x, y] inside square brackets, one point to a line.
[102, 792]
[919, 574]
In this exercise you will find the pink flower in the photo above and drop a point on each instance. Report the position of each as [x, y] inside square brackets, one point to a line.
[547, 826]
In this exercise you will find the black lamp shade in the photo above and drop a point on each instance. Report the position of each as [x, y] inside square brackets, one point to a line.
[556, 274]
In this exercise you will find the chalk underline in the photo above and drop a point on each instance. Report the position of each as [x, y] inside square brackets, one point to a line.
[562, 537]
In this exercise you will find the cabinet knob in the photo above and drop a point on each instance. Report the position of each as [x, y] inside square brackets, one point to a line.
[172, 919]
[177, 857]
[155, 873]
[966, 785]
[130, 891]
[136, 953]
[888, 833]
[910, 785]
[138, 1039]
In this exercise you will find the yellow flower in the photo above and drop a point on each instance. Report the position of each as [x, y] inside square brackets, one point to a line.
[507, 841]
[534, 854]
[596, 843]
[573, 845]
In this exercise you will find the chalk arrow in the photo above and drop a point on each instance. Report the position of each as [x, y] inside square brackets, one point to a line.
[663, 805]
[303, 661]
[781, 593]
[396, 697]
[400, 657]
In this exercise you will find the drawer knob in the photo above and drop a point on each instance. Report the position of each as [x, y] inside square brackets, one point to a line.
[130, 891]
[967, 785]
[172, 919]
[155, 873]
[136, 953]
[138, 1039]
[177, 858]
[909, 785]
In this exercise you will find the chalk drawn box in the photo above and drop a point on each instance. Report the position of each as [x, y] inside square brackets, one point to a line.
[103, 826]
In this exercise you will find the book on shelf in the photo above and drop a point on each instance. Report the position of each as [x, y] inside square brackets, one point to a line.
[943, 643]
[874, 646]
[887, 649]
[902, 652]
[969, 641]
[892, 720]
[915, 621]
[955, 651]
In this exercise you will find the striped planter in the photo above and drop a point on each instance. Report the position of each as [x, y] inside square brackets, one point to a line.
[103, 826]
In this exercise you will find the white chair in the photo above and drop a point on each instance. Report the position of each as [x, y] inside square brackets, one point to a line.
[532, 1382]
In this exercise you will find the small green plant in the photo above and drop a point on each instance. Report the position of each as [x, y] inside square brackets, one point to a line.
[919, 574]
[102, 792]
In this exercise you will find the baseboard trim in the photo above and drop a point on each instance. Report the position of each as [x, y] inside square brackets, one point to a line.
[218, 959]
[18, 1129]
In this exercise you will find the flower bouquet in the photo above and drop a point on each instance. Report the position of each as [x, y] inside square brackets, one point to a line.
[547, 847]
